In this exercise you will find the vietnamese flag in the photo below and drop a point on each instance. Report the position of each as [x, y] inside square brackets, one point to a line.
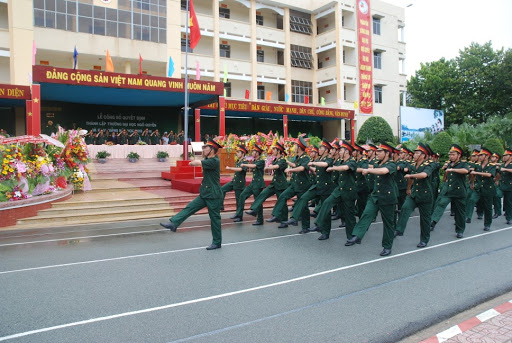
[195, 32]
[306, 99]
[140, 64]
[247, 93]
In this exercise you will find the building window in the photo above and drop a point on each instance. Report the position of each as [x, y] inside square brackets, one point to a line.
[184, 45]
[148, 18]
[301, 89]
[345, 92]
[376, 26]
[261, 92]
[301, 57]
[227, 88]
[259, 20]
[260, 55]
[300, 22]
[225, 51]
[183, 5]
[377, 60]
[378, 94]
[224, 13]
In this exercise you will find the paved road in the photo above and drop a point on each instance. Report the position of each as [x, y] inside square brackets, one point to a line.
[133, 282]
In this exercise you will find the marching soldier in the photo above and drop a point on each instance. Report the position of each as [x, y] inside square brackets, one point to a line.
[361, 184]
[238, 182]
[383, 198]
[345, 192]
[420, 195]
[506, 184]
[278, 184]
[474, 184]
[495, 158]
[255, 187]
[488, 190]
[456, 191]
[299, 184]
[402, 169]
[210, 195]
[321, 187]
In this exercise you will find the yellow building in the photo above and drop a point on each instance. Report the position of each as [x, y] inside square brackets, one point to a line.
[274, 51]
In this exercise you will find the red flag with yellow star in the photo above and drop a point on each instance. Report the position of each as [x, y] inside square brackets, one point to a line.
[195, 32]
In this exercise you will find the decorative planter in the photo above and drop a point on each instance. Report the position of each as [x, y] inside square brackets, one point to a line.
[162, 159]
[133, 160]
[102, 160]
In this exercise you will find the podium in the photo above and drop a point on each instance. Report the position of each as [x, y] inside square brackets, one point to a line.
[226, 160]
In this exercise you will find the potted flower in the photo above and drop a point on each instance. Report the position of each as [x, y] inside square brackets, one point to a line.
[102, 156]
[162, 156]
[133, 157]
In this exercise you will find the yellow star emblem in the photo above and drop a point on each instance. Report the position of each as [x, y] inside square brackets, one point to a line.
[36, 100]
[30, 114]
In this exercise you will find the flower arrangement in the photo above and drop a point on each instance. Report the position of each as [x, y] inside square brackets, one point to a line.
[102, 154]
[133, 156]
[110, 143]
[162, 154]
[32, 168]
[16, 194]
[77, 178]
[141, 143]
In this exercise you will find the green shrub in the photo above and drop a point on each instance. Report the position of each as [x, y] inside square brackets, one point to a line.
[441, 144]
[494, 145]
[375, 129]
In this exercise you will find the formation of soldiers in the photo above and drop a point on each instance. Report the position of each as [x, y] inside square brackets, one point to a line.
[353, 184]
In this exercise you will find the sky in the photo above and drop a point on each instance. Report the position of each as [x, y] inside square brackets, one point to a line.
[440, 28]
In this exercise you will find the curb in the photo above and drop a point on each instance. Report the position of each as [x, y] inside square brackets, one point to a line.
[469, 324]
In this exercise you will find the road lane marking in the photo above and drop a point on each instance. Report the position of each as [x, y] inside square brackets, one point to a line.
[242, 291]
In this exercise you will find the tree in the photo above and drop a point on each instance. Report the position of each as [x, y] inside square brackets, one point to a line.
[442, 143]
[494, 145]
[471, 88]
[375, 129]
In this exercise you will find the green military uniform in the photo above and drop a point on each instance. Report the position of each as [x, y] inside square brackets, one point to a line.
[319, 190]
[299, 184]
[254, 188]
[278, 184]
[487, 192]
[145, 138]
[506, 187]
[474, 187]
[133, 139]
[422, 197]
[122, 139]
[237, 183]
[456, 192]
[345, 193]
[155, 139]
[89, 139]
[210, 196]
[499, 193]
[362, 187]
[383, 198]
[401, 183]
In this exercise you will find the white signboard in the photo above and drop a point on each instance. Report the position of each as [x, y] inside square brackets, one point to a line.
[416, 121]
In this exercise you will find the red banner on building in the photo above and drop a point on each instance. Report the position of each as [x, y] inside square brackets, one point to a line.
[45, 74]
[14, 92]
[364, 40]
[284, 109]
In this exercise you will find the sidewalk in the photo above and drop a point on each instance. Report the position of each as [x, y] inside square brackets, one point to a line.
[491, 326]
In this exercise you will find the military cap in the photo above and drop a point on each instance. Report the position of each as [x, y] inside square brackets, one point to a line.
[212, 143]
[456, 148]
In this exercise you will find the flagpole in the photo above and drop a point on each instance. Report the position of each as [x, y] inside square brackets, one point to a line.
[185, 111]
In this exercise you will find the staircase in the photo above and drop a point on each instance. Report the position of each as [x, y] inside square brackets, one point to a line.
[123, 191]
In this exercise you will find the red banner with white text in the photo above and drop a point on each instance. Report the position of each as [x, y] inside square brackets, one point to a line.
[364, 39]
